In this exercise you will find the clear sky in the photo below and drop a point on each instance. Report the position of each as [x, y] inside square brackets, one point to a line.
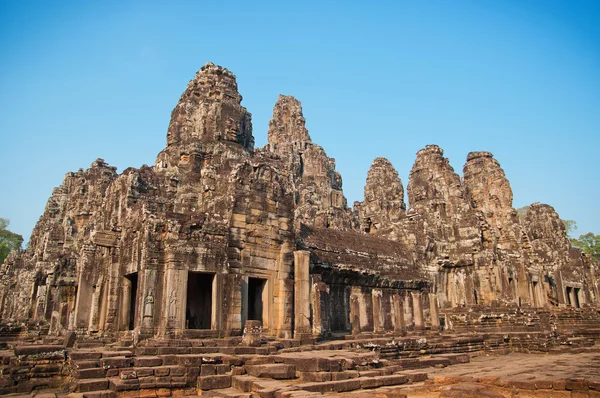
[81, 80]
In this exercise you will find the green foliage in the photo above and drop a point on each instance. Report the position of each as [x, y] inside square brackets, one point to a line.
[522, 212]
[570, 226]
[589, 244]
[9, 241]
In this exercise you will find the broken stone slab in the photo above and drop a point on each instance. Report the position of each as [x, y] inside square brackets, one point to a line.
[46, 351]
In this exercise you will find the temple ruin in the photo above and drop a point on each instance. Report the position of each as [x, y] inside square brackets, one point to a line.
[218, 236]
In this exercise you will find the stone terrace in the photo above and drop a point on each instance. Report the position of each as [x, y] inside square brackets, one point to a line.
[375, 364]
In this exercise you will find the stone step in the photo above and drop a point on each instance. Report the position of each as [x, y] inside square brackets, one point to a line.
[227, 393]
[87, 364]
[94, 394]
[87, 385]
[84, 355]
[340, 386]
[116, 362]
[119, 385]
[117, 353]
[147, 361]
[216, 382]
[270, 388]
[278, 371]
[91, 373]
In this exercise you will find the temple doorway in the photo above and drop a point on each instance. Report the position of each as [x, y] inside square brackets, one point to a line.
[257, 299]
[339, 308]
[133, 283]
[198, 313]
[576, 292]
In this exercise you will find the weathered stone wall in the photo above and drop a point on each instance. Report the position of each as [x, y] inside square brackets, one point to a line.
[217, 233]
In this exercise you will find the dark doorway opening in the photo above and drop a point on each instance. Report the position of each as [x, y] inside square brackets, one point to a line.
[256, 288]
[569, 289]
[133, 279]
[198, 313]
[339, 308]
[576, 295]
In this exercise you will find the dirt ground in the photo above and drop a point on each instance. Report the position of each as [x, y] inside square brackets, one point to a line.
[516, 374]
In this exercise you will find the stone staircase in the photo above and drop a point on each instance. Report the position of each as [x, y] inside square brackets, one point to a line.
[240, 371]
[225, 367]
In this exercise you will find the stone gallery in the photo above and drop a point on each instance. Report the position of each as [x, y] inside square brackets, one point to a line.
[218, 237]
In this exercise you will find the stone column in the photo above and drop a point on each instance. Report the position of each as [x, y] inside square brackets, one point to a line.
[148, 296]
[95, 306]
[399, 323]
[174, 300]
[433, 311]
[417, 311]
[301, 294]
[355, 313]
[573, 297]
[252, 333]
[315, 296]
[377, 311]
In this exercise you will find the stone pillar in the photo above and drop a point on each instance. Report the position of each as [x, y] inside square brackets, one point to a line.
[573, 297]
[433, 311]
[174, 300]
[148, 296]
[301, 294]
[319, 298]
[399, 323]
[417, 311]
[315, 296]
[355, 313]
[252, 333]
[95, 306]
[377, 311]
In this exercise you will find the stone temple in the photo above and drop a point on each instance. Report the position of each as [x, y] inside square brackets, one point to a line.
[219, 240]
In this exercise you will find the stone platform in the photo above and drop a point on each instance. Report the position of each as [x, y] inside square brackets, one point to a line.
[362, 366]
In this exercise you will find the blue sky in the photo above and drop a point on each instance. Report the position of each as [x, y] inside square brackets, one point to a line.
[521, 79]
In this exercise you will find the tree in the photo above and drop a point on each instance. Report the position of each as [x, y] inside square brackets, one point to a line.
[9, 241]
[570, 226]
[589, 244]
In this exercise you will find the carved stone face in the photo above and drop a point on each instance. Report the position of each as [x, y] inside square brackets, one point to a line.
[232, 129]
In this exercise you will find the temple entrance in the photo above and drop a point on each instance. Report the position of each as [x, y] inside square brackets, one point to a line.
[576, 291]
[133, 282]
[256, 299]
[339, 308]
[568, 296]
[534, 297]
[198, 313]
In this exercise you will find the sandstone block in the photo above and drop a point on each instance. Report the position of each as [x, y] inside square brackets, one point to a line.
[273, 371]
[116, 362]
[214, 382]
[147, 361]
[92, 385]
